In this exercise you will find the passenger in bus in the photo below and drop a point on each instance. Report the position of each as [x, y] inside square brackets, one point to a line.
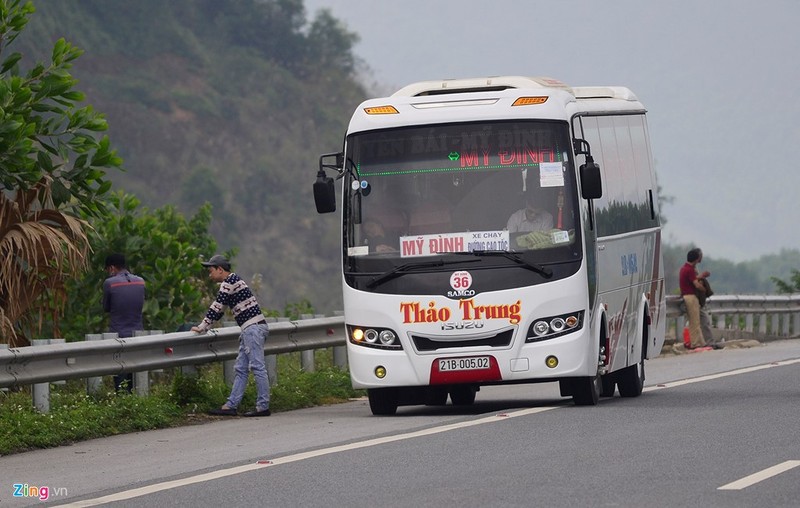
[531, 218]
[375, 237]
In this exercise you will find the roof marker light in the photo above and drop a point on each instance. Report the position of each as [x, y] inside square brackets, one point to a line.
[529, 101]
[381, 110]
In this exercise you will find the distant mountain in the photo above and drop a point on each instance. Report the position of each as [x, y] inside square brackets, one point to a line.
[232, 102]
[227, 102]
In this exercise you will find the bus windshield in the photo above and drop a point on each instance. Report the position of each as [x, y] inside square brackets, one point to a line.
[504, 186]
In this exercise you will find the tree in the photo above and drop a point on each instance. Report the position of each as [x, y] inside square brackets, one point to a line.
[52, 169]
[793, 286]
[161, 246]
[330, 44]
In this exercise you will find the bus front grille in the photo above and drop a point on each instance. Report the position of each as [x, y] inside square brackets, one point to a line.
[502, 339]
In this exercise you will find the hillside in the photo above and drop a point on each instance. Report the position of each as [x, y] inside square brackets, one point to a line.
[225, 102]
[231, 103]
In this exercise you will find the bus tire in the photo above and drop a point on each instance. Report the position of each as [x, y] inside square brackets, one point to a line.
[586, 390]
[436, 396]
[382, 401]
[463, 395]
[630, 380]
[609, 385]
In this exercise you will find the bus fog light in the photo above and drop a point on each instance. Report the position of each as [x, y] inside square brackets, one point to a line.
[387, 337]
[551, 362]
[371, 336]
[380, 372]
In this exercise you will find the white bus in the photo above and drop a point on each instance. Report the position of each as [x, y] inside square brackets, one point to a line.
[497, 230]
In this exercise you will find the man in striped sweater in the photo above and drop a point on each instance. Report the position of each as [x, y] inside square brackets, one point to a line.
[234, 293]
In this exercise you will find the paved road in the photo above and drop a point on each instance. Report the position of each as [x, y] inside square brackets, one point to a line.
[706, 421]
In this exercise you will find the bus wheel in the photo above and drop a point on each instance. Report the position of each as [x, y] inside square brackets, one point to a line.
[436, 396]
[609, 384]
[463, 395]
[630, 380]
[586, 390]
[382, 401]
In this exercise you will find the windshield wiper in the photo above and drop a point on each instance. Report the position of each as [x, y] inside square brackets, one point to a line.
[397, 271]
[513, 256]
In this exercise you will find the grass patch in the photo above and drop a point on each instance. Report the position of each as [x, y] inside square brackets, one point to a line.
[175, 399]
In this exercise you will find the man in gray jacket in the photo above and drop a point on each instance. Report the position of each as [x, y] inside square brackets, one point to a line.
[123, 299]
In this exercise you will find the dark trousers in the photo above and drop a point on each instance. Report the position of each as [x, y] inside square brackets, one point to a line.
[123, 382]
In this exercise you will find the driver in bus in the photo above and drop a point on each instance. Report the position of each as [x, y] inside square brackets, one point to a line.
[531, 218]
[376, 237]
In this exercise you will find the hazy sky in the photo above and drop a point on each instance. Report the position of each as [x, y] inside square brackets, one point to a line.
[718, 79]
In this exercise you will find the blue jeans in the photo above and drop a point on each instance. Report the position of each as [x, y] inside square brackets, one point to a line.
[251, 358]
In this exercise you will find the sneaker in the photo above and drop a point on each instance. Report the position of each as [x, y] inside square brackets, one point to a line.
[258, 412]
[716, 346]
[223, 412]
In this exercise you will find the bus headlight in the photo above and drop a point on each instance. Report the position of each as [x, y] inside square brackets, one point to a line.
[371, 335]
[557, 324]
[387, 337]
[541, 328]
[554, 326]
[380, 338]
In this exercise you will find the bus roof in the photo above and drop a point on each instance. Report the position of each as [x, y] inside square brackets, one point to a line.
[495, 83]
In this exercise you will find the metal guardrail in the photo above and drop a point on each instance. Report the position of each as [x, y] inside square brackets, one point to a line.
[765, 316]
[78, 360]
[774, 315]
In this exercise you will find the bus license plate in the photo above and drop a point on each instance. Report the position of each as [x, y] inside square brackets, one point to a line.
[455, 364]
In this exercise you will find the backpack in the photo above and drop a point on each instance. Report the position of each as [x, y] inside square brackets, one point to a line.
[705, 293]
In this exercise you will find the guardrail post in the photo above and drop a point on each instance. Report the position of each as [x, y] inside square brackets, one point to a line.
[307, 363]
[41, 391]
[340, 352]
[228, 373]
[307, 360]
[340, 357]
[748, 322]
[227, 366]
[141, 380]
[93, 384]
[785, 319]
[796, 324]
[271, 361]
[721, 321]
[762, 324]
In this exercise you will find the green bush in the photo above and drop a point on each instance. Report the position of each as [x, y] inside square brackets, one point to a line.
[175, 399]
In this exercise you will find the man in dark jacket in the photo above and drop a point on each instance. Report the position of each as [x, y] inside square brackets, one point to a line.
[123, 299]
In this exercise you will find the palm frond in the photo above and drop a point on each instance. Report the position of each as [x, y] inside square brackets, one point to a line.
[40, 249]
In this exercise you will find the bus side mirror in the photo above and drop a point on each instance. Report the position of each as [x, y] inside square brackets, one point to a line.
[324, 194]
[591, 183]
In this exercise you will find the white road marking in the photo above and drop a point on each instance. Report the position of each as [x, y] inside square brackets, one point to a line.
[760, 476]
[158, 487]
[222, 473]
[673, 384]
